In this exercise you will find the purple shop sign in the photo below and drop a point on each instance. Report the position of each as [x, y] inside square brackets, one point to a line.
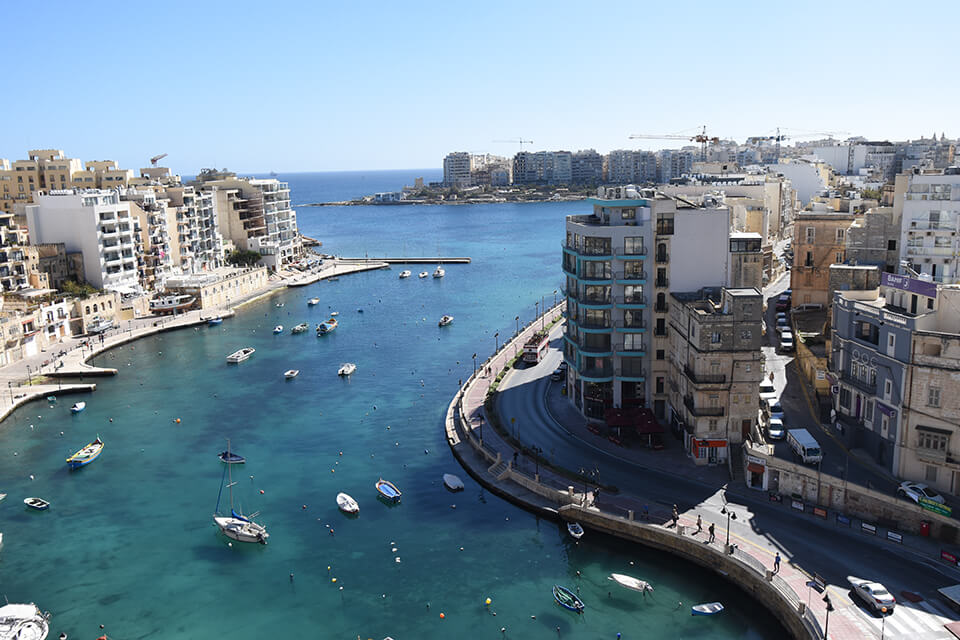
[913, 285]
[885, 410]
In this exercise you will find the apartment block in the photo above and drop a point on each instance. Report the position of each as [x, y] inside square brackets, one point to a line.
[543, 167]
[95, 223]
[819, 240]
[928, 204]
[456, 169]
[716, 367]
[586, 167]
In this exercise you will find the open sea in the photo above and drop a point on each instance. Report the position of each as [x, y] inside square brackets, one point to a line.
[129, 542]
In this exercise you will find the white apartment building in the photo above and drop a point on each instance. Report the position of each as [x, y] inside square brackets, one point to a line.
[456, 169]
[619, 273]
[927, 204]
[95, 223]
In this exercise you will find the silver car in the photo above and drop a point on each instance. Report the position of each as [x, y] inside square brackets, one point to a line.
[873, 594]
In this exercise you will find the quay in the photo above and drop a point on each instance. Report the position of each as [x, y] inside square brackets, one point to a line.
[428, 260]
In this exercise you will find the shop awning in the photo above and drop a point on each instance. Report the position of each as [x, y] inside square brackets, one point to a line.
[753, 467]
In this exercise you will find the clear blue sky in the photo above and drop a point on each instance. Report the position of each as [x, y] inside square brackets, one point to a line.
[299, 86]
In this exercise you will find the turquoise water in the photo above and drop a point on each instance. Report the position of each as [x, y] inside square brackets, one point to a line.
[129, 542]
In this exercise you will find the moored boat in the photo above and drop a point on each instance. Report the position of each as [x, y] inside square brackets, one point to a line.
[241, 355]
[444, 321]
[405, 273]
[452, 482]
[346, 369]
[99, 325]
[575, 529]
[212, 322]
[706, 609]
[629, 582]
[347, 504]
[388, 490]
[423, 274]
[439, 272]
[230, 457]
[326, 327]
[278, 329]
[291, 373]
[313, 301]
[568, 599]
[24, 622]
[86, 455]
[37, 503]
[172, 304]
[78, 407]
[300, 328]
[237, 526]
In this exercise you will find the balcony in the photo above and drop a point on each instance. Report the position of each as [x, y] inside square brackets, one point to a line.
[632, 327]
[631, 253]
[931, 251]
[633, 350]
[863, 385]
[701, 411]
[631, 276]
[595, 351]
[631, 302]
[704, 378]
[592, 373]
[604, 278]
[596, 301]
[638, 374]
[663, 282]
[662, 257]
[594, 326]
[661, 307]
[928, 225]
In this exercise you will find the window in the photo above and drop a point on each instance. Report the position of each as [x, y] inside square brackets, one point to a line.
[839, 257]
[932, 441]
[868, 412]
[659, 384]
[844, 397]
[633, 342]
[715, 337]
[808, 261]
[887, 389]
[747, 367]
[660, 354]
[930, 473]
[811, 234]
[891, 340]
[891, 245]
[746, 335]
[884, 426]
[933, 397]
[628, 214]
[633, 245]
[840, 235]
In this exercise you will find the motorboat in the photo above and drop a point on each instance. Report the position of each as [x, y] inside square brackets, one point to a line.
[172, 304]
[290, 374]
[334, 314]
[212, 322]
[423, 274]
[568, 599]
[346, 369]
[278, 329]
[313, 301]
[575, 530]
[405, 273]
[327, 327]
[347, 504]
[452, 482]
[2, 496]
[439, 272]
[23, 622]
[388, 490]
[706, 609]
[237, 526]
[78, 407]
[37, 503]
[241, 355]
[300, 328]
[99, 325]
[85, 456]
[230, 457]
[279, 304]
[629, 582]
[444, 321]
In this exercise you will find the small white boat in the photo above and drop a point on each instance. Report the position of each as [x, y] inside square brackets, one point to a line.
[706, 609]
[629, 582]
[171, 304]
[36, 503]
[313, 301]
[23, 622]
[278, 329]
[439, 272]
[2, 496]
[452, 482]
[78, 407]
[300, 328]
[279, 304]
[347, 504]
[444, 321]
[241, 355]
[334, 314]
[292, 373]
[423, 274]
[405, 273]
[346, 369]
[575, 529]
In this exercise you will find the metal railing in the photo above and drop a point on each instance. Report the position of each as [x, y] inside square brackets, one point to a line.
[702, 411]
[863, 385]
[662, 282]
[662, 257]
[631, 299]
[634, 275]
[704, 378]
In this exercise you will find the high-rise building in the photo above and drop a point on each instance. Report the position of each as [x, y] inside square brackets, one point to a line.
[456, 169]
[586, 167]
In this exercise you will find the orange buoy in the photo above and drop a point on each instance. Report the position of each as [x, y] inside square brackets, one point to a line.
[177, 421]
[261, 491]
[442, 616]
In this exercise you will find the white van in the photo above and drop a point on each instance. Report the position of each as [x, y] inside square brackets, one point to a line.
[804, 445]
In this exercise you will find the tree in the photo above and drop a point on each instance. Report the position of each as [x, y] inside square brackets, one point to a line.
[78, 289]
[243, 258]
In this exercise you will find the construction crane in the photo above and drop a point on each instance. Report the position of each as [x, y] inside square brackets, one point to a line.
[779, 137]
[701, 138]
[155, 159]
[519, 141]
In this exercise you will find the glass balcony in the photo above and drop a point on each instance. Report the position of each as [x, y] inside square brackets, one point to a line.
[592, 371]
[631, 277]
[633, 374]
[632, 327]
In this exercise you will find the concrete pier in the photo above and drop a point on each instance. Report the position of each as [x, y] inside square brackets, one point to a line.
[427, 260]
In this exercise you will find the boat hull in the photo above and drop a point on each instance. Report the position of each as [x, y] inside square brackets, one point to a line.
[567, 599]
[86, 455]
[452, 482]
[706, 609]
[241, 530]
[388, 491]
[347, 504]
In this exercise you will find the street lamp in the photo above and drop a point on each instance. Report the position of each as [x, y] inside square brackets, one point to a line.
[10, 389]
[730, 514]
[518, 324]
[554, 297]
[474, 365]
[536, 459]
[496, 341]
[29, 380]
[826, 623]
[536, 309]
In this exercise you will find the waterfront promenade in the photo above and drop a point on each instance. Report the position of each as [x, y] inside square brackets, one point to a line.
[497, 464]
[63, 368]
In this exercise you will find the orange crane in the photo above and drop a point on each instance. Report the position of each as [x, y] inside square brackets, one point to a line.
[519, 141]
[155, 159]
[701, 138]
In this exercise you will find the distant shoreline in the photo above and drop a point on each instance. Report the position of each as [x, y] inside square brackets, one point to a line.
[361, 203]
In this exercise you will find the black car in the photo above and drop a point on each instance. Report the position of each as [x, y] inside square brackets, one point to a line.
[558, 374]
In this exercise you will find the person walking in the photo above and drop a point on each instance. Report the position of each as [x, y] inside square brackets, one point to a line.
[676, 516]
[713, 536]
[776, 563]
[699, 524]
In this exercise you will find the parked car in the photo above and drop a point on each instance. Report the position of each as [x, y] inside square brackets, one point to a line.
[786, 341]
[783, 302]
[767, 390]
[774, 410]
[783, 325]
[557, 374]
[781, 314]
[873, 594]
[916, 490]
[775, 429]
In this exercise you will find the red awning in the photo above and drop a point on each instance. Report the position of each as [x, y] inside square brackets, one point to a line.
[755, 468]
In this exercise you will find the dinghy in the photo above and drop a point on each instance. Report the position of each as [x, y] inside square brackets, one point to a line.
[575, 529]
[78, 407]
[278, 329]
[347, 504]
[629, 582]
[452, 482]
[230, 457]
[291, 374]
[706, 609]
[86, 455]
[36, 503]
[568, 599]
[388, 490]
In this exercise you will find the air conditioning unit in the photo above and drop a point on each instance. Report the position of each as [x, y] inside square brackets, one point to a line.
[926, 261]
[929, 233]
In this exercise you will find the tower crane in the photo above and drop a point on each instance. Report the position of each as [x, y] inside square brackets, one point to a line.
[701, 138]
[779, 137]
[519, 141]
[155, 159]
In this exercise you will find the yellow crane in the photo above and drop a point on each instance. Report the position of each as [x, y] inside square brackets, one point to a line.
[702, 138]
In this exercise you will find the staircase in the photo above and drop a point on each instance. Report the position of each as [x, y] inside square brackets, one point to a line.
[735, 463]
[499, 470]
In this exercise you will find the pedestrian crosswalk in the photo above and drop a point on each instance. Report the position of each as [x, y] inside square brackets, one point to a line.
[909, 621]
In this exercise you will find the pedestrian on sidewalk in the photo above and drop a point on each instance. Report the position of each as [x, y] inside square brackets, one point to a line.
[712, 533]
[699, 524]
[776, 563]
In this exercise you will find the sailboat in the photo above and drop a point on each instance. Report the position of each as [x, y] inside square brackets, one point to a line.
[237, 526]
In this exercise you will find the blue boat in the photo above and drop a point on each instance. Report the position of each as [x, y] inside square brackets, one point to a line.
[231, 458]
[215, 321]
[78, 407]
[326, 327]
[706, 609]
[567, 599]
[86, 455]
[388, 490]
